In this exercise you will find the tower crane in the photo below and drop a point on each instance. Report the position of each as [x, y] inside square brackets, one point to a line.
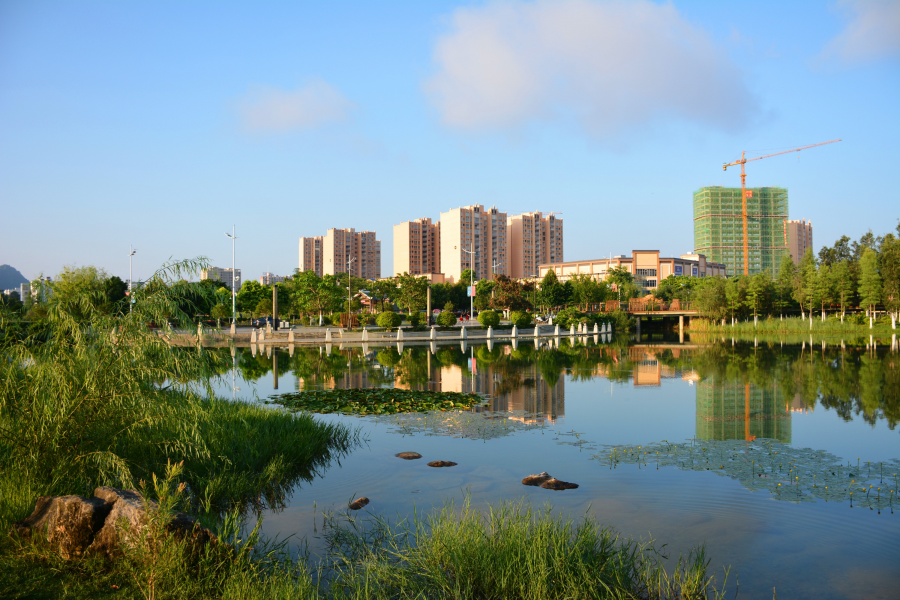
[744, 161]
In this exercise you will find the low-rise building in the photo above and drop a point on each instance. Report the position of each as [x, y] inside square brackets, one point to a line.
[223, 275]
[647, 267]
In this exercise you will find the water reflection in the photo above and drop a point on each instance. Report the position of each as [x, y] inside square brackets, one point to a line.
[744, 390]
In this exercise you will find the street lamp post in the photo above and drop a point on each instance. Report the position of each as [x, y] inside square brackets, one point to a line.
[472, 275]
[233, 280]
[131, 253]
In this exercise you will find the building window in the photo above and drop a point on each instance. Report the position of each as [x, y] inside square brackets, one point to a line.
[647, 272]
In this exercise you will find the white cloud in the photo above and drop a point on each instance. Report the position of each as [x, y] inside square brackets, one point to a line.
[272, 110]
[873, 32]
[608, 64]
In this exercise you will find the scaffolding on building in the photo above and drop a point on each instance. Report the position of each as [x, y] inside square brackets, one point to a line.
[718, 227]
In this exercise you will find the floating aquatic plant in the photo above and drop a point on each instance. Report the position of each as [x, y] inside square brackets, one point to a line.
[462, 424]
[788, 473]
[376, 401]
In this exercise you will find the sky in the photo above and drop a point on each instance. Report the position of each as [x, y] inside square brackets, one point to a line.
[159, 125]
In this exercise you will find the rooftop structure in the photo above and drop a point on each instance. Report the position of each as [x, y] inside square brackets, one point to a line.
[719, 229]
[534, 239]
[647, 267]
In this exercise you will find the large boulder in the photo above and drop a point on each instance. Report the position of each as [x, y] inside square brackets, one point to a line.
[68, 523]
[103, 524]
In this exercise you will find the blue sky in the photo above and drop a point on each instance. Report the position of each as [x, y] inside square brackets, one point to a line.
[162, 124]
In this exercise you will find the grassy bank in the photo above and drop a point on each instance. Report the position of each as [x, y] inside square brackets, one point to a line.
[795, 325]
[505, 552]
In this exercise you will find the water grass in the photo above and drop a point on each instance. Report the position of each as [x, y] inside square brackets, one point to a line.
[831, 325]
[376, 401]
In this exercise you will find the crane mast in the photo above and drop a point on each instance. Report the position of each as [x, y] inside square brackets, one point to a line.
[744, 160]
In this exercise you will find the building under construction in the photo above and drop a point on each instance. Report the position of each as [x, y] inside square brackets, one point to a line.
[719, 229]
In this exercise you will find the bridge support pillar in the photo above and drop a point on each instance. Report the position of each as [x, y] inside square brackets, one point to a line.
[637, 321]
[680, 329]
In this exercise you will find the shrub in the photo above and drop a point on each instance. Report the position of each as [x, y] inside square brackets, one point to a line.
[489, 318]
[364, 318]
[446, 319]
[388, 320]
[414, 319]
[520, 319]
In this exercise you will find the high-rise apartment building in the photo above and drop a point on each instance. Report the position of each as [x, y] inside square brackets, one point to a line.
[534, 240]
[311, 254]
[798, 238]
[223, 275]
[417, 247]
[472, 237]
[339, 246]
[719, 231]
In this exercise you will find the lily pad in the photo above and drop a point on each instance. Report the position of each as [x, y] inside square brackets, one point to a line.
[376, 401]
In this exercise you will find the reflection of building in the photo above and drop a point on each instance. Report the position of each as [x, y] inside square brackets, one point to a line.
[647, 368]
[736, 411]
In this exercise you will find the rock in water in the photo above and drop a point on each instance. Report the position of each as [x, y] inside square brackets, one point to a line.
[67, 523]
[537, 479]
[441, 463]
[556, 484]
[408, 455]
[359, 503]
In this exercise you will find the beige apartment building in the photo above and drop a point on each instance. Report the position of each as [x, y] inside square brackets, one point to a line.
[223, 275]
[339, 246]
[647, 267]
[417, 247]
[534, 240]
[798, 238]
[473, 237]
[311, 254]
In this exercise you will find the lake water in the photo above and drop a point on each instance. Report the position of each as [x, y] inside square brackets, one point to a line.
[808, 415]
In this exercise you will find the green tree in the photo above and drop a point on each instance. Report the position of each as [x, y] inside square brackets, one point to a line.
[711, 300]
[869, 281]
[264, 307]
[890, 275]
[825, 288]
[842, 283]
[389, 320]
[488, 318]
[757, 293]
[219, 312]
[385, 291]
[784, 284]
[250, 294]
[412, 291]
[623, 280]
[735, 295]
[316, 295]
[586, 290]
[803, 276]
[551, 293]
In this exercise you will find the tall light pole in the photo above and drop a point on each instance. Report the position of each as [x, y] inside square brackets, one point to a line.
[131, 253]
[349, 293]
[233, 275]
[472, 274]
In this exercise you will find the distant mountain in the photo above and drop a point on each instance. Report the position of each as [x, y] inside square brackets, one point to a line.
[10, 278]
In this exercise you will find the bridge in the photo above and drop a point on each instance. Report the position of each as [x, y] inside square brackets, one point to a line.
[649, 308]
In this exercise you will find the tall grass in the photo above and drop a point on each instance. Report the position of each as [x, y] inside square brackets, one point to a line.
[831, 325]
